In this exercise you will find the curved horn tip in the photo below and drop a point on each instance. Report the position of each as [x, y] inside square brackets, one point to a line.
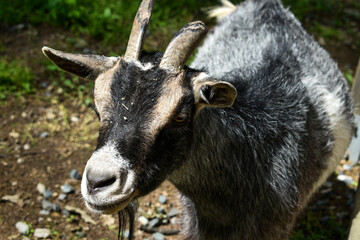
[182, 46]
[138, 30]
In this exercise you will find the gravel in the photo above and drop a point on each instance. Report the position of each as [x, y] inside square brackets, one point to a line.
[173, 212]
[143, 220]
[62, 197]
[74, 174]
[158, 236]
[22, 227]
[47, 194]
[40, 187]
[154, 222]
[162, 199]
[44, 134]
[67, 188]
[42, 233]
[47, 205]
[44, 212]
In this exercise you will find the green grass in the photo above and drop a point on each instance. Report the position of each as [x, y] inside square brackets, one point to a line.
[311, 228]
[15, 78]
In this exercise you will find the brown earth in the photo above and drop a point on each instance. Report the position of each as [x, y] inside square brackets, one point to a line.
[26, 159]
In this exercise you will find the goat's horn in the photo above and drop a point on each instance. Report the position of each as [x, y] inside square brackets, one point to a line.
[138, 30]
[182, 46]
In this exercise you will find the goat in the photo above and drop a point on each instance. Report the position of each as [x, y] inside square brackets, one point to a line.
[246, 134]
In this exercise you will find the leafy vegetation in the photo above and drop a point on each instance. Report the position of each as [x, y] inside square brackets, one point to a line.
[312, 228]
[15, 78]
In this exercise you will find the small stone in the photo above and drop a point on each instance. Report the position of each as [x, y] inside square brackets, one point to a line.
[65, 213]
[80, 234]
[42, 233]
[74, 174]
[67, 188]
[14, 183]
[27, 147]
[46, 205]
[126, 234]
[62, 197]
[20, 160]
[347, 167]
[23, 114]
[14, 134]
[158, 236]
[143, 220]
[74, 119]
[162, 199]
[346, 179]
[44, 212]
[174, 221]
[56, 207]
[44, 134]
[11, 198]
[160, 210]
[154, 222]
[22, 227]
[40, 219]
[165, 221]
[47, 194]
[173, 212]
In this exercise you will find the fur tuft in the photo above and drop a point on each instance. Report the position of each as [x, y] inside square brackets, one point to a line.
[220, 12]
[127, 216]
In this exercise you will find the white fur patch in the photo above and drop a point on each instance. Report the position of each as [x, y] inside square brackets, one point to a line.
[145, 67]
[339, 125]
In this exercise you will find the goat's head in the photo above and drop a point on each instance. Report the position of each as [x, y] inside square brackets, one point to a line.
[146, 104]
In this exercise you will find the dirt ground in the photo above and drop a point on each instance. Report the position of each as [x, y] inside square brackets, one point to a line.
[28, 158]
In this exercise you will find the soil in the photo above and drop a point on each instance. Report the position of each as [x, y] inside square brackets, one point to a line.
[27, 159]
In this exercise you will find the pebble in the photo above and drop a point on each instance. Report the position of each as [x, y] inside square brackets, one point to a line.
[74, 174]
[161, 210]
[47, 194]
[22, 227]
[62, 197]
[20, 160]
[143, 220]
[46, 205]
[65, 213]
[42, 233]
[56, 207]
[126, 233]
[80, 234]
[158, 236]
[173, 212]
[344, 178]
[74, 119]
[41, 188]
[44, 212]
[347, 167]
[174, 221]
[27, 147]
[44, 134]
[154, 222]
[67, 188]
[162, 199]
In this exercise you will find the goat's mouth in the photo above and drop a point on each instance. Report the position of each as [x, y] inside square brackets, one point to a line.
[111, 207]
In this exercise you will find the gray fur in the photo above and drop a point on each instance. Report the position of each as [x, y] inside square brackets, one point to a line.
[253, 167]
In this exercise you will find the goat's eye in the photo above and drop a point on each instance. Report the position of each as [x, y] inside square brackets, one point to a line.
[180, 118]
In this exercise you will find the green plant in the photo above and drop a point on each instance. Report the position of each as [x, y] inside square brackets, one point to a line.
[14, 78]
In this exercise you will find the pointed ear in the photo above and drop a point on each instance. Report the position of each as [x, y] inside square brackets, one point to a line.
[85, 66]
[213, 93]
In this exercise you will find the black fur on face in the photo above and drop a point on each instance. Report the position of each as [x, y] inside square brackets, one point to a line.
[135, 96]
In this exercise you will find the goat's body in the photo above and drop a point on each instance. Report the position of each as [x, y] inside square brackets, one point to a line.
[253, 167]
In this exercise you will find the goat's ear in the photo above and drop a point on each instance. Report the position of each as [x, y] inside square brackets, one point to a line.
[213, 93]
[85, 66]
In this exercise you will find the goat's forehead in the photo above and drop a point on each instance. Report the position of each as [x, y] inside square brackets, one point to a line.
[157, 97]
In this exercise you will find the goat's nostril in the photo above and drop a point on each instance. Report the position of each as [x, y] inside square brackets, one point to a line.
[99, 180]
